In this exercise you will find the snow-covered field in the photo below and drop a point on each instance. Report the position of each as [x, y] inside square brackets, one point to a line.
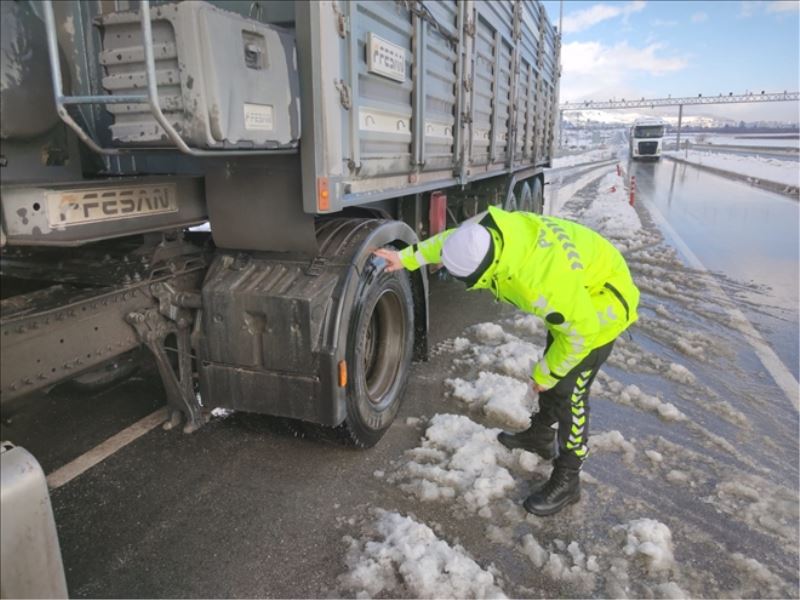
[756, 167]
[688, 492]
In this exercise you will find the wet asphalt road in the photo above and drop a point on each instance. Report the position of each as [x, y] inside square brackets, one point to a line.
[749, 235]
[240, 508]
[244, 508]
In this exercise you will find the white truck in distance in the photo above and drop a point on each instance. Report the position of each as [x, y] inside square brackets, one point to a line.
[646, 137]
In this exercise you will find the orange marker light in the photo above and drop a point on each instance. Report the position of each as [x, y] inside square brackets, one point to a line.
[342, 373]
[323, 194]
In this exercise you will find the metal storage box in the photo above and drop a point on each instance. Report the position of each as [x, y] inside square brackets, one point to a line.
[224, 81]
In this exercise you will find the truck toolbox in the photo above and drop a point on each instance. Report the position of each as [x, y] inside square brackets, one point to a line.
[224, 81]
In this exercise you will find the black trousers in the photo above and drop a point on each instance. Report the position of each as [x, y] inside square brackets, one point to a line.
[567, 403]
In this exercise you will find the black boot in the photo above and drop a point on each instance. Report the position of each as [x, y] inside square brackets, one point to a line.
[536, 438]
[563, 488]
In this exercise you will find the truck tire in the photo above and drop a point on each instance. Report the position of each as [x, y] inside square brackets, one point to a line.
[525, 200]
[380, 346]
[537, 196]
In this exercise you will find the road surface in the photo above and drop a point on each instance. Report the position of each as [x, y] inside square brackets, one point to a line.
[699, 498]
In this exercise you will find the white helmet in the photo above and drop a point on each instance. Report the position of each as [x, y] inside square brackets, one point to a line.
[466, 249]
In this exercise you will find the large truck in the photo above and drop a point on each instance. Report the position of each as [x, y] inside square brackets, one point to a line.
[646, 138]
[306, 134]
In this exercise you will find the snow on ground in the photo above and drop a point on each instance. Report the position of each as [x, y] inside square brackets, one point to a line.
[611, 212]
[502, 397]
[676, 501]
[752, 140]
[596, 155]
[459, 461]
[650, 540]
[756, 167]
[400, 556]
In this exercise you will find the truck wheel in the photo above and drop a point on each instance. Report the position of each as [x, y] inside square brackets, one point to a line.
[379, 350]
[525, 201]
[537, 196]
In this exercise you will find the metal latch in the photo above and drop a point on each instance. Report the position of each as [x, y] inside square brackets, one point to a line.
[342, 21]
[252, 56]
[344, 93]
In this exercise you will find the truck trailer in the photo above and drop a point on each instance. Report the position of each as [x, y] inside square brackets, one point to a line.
[306, 134]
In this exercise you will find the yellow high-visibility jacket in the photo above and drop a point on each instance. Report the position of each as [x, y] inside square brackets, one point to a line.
[560, 271]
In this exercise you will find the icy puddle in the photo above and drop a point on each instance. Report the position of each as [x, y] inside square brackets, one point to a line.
[690, 489]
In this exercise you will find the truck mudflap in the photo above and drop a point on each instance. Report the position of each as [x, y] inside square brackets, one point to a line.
[275, 331]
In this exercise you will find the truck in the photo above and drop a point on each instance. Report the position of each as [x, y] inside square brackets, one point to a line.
[306, 135]
[646, 138]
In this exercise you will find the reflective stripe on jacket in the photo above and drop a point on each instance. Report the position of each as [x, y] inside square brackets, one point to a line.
[563, 272]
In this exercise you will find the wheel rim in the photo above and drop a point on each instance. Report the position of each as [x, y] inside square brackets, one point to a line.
[383, 347]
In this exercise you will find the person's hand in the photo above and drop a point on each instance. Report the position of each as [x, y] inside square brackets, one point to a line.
[538, 388]
[391, 257]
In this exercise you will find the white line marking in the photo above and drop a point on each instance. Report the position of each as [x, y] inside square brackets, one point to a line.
[772, 363]
[102, 451]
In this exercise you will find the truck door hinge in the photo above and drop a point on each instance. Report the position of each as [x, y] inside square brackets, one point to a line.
[344, 93]
[469, 28]
[342, 21]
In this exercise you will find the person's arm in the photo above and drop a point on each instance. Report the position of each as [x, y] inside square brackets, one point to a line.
[415, 256]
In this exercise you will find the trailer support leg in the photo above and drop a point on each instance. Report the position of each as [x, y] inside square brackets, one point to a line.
[153, 329]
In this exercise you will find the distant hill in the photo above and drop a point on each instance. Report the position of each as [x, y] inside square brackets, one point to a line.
[589, 119]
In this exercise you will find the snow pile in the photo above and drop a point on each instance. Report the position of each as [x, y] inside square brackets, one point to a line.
[221, 413]
[402, 556]
[631, 395]
[654, 456]
[612, 441]
[671, 591]
[502, 398]
[596, 155]
[514, 357]
[762, 505]
[461, 344]
[489, 333]
[458, 459]
[756, 578]
[755, 167]
[680, 374]
[528, 324]
[678, 477]
[502, 389]
[651, 541]
[571, 565]
[559, 194]
[458, 344]
[609, 213]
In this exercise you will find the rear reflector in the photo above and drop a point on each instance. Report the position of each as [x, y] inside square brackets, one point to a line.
[323, 194]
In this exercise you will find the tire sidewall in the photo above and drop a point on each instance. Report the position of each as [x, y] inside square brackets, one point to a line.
[537, 196]
[525, 202]
[366, 421]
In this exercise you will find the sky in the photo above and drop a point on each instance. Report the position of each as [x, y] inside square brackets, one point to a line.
[658, 48]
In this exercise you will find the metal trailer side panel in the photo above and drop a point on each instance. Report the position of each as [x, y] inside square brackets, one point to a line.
[411, 97]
